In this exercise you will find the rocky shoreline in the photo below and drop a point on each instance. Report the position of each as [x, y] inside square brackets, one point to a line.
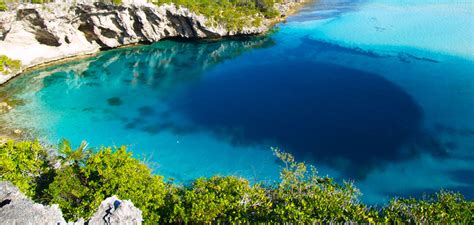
[41, 34]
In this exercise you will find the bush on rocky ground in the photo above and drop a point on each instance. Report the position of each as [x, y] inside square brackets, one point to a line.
[6, 64]
[234, 14]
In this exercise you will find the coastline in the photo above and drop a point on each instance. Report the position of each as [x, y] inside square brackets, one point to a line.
[286, 9]
[19, 133]
[406, 70]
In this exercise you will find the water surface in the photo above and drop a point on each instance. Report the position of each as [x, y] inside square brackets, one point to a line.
[379, 92]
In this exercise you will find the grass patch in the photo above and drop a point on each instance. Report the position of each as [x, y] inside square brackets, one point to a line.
[8, 65]
[3, 5]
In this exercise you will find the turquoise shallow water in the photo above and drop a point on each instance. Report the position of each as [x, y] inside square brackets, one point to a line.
[379, 92]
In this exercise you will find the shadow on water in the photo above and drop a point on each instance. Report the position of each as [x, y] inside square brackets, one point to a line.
[347, 118]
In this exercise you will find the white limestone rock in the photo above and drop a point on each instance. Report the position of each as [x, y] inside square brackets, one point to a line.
[16, 208]
[36, 34]
[115, 211]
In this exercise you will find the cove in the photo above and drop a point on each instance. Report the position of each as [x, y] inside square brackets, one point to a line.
[395, 115]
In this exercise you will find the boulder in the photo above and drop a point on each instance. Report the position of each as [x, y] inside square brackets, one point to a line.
[16, 208]
[115, 211]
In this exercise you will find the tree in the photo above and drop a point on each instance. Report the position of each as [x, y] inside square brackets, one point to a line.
[303, 196]
[84, 180]
[23, 163]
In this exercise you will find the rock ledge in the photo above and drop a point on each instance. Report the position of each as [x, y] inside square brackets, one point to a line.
[37, 34]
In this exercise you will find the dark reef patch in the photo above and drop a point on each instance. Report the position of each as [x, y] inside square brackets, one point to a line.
[464, 176]
[468, 192]
[324, 47]
[157, 127]
[406, 57]
[454, 131]
[114, 101]
[93, 84]
[146, 111]
[130, 125]
[428, 141]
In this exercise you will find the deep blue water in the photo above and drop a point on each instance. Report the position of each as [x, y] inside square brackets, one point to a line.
[385, 105]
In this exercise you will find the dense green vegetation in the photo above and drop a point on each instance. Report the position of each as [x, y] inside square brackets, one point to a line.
[79, 179]
[3, 6]
[23, 163]
[8, 64]
[234, 14]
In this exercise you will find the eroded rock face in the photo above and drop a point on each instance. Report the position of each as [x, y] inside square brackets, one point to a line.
[16, 208]
[58, 30]
[36, 34]
[113, 26]
[115, 211]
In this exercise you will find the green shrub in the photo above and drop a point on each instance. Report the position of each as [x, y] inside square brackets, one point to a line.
[9, 64]
[173, 211]
[303, 196]
[267, 7]
[225, 199]
[443, 207]
[233, 14]
[86, 179]
[3, 6]
[23, 163]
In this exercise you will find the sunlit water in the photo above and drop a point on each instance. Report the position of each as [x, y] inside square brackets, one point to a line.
[379, 92]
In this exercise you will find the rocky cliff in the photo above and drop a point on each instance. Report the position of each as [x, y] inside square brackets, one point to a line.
[37, 34]
[16, 208]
